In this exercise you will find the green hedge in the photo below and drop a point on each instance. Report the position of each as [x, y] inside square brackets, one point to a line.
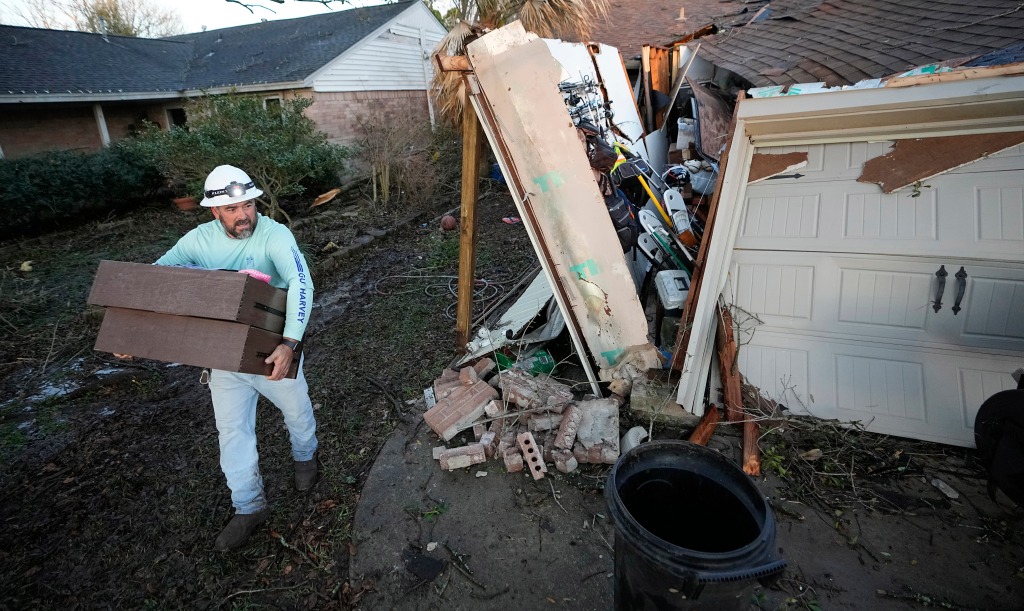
[63, 189]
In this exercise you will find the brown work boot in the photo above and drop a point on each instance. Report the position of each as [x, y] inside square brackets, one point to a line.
[305, 474]
[237, 532]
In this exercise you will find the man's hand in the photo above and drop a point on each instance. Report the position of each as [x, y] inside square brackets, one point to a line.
[281, 358]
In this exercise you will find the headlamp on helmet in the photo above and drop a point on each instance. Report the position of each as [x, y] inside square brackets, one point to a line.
[233, 189]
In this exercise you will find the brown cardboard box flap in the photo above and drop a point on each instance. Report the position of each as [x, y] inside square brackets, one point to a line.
[202, 342]
[221, 295]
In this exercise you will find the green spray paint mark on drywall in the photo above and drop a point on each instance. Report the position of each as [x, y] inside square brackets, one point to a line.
[613, 356]
[549, 181]
[582, 270]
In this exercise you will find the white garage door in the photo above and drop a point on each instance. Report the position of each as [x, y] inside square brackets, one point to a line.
[901, 311]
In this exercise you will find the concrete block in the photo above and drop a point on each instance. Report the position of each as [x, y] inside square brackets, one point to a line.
[532, 455]
[651, 398]
[599, 424]
[568, 427]
[465, 456]
[436, 451]
[459, 410]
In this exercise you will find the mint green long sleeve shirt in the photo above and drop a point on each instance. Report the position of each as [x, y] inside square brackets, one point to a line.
[271, 249]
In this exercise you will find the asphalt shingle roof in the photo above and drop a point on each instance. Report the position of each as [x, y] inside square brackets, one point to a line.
[840, 42]
[37, 61]
[279, 51]
[53, 61]
[630, 24]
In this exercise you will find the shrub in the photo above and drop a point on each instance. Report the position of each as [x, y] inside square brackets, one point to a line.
[62, 189]
[279, 147]
[410, 165]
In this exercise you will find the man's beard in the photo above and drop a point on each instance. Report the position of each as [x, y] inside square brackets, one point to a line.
[240, 234]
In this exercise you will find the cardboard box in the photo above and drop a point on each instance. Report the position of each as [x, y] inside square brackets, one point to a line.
[221, 295]
[203, 342]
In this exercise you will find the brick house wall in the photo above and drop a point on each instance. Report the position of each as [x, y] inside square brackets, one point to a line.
[31, 129]
[341, 114]
[35, 129]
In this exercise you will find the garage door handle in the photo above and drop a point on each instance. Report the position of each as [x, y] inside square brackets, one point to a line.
[941, 275]
[961, 288]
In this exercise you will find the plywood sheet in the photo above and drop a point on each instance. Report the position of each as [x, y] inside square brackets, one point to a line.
[765, 165]
[914, 160]
[713, 118]
[518, 80]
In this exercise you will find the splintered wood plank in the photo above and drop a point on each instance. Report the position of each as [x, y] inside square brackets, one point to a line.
[764, 165]
[919, 159]
[727, 353]
[706, 427]
[751, 452]
[560, 201]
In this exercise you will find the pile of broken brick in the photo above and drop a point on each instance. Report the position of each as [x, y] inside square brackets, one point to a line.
[534, 421]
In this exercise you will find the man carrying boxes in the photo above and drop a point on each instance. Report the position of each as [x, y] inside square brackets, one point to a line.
[239, 238]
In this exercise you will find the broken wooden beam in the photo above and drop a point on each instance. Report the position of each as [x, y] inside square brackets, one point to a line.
[751, 452]
[732, 391]
[706, 427]
[452, 63]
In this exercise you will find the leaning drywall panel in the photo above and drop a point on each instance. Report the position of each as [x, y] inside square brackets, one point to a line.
[518, 78]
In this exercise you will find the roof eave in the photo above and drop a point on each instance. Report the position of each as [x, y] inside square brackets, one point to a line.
[86, 96]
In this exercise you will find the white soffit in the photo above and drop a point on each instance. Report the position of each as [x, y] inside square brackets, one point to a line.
[960, 107]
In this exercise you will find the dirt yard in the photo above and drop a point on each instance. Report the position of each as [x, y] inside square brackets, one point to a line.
[111, 493]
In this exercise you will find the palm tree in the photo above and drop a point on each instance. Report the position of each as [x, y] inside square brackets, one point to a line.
[474, 18]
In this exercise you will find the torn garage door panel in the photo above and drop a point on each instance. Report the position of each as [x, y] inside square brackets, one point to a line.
[765, 165]
[560, 201]
[912, 161]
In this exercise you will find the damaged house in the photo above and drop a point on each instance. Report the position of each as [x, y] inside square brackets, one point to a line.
[848, 210]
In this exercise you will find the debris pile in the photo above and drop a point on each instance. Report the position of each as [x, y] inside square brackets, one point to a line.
[525, 422]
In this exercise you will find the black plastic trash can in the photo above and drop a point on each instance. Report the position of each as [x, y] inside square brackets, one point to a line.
[692, 531]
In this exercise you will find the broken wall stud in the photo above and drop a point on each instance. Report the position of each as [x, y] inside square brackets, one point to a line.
[531, 455]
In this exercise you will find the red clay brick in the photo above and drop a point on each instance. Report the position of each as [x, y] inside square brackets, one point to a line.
[532, 455]
[467, 375]
[513, 461]
[459, 458]
[458, 410]
[570, 424]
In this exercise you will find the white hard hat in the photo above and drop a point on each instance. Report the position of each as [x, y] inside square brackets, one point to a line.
[227, 185]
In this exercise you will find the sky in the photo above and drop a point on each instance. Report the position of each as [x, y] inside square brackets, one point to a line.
[216, 14]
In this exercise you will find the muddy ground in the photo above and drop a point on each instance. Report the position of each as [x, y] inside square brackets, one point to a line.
[111, 493]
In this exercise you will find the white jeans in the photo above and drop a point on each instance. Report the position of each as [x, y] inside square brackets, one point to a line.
[234, 406]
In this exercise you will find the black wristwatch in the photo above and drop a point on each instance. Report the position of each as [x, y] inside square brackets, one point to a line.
[291, 343]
